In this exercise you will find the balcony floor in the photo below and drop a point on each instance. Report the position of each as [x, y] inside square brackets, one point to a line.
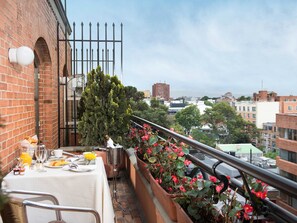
[127, 207]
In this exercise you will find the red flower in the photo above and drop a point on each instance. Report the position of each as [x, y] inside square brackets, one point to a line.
[174, 179]
[169, 189]
[149, 151]
[213, 179]
[200, 176]
[184, 180]
[182, 189]
[248, 208]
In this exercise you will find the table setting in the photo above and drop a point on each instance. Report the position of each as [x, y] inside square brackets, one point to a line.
[76, 180]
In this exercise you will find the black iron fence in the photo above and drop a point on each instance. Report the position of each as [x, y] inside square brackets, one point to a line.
[274, 211]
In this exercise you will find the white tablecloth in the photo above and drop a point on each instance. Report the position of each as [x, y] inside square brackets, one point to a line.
[79, 189]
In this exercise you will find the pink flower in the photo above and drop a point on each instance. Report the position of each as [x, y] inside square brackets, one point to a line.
[181, 154]
[158, 180]
[169, 189]
[193, 180]
[213, 179]
[182, 189]
[200, 176]
[187, 162]
[145, 137]
[219, 188]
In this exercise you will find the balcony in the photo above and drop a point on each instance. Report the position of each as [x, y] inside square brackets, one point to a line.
[152, 211]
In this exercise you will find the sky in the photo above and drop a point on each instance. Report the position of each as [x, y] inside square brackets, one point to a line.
[202, 47]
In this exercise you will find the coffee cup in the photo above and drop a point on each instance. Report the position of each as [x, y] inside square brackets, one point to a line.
[58, 153]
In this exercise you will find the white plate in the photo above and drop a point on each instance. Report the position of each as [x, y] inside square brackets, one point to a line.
[50, 166]
[52, 158]
[80, 169]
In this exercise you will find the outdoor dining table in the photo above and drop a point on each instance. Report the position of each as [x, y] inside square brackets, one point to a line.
[78, 189]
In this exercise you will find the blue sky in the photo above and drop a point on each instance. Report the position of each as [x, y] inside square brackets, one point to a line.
[202, 47]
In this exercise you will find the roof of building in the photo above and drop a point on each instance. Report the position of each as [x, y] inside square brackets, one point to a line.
[239, 148]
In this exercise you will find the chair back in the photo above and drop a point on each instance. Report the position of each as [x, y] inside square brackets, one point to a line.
[14, 211]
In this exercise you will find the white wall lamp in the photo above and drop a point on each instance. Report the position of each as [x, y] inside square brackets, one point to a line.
[22, 55]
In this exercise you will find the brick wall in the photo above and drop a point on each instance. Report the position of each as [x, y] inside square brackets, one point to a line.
[31, 23]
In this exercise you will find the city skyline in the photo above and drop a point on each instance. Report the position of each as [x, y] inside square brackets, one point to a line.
[201, 47]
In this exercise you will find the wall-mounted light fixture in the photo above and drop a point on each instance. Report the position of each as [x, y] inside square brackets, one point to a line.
[22, 55]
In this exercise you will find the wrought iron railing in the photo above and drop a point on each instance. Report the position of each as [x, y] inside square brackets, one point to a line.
[272, 210]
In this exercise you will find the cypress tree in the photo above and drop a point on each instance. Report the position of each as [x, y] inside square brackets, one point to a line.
[104, 109]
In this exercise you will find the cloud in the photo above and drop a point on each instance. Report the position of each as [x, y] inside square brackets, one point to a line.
[208, 47]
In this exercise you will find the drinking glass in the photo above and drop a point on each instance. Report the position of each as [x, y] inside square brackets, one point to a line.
[41, 155]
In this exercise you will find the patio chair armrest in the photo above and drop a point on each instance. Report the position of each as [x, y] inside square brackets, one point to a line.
[61, 208]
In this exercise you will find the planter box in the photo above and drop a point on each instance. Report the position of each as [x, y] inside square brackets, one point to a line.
[165, 199]
[142, 166]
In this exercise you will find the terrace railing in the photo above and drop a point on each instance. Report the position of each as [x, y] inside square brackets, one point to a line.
[272, 210]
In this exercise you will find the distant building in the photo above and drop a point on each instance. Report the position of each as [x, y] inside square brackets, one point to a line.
[228, 97]
[287, 104]
[287, 161]
[147, 93]
[268, 136]
[176, 106]
[161, 91]
[257, 112]
[265, 96]
[243, 151]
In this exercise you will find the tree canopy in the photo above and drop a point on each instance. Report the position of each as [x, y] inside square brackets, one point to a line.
[188, 117]
[228, 126]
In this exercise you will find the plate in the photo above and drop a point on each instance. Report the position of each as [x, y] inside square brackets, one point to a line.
[51, 158]
[51, 164]
[80, 169]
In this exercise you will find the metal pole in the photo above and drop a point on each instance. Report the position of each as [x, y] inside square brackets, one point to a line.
[58, 77]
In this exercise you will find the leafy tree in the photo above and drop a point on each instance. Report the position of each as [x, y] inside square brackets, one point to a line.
[156, 113]
[208, 103]
[105, 109]
[204, 98]
[188, 117]
[271, 155]
[229, 126]
[243, 98]
[204, 137]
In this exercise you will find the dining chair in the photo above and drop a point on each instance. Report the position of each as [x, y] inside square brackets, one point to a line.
[15, 211]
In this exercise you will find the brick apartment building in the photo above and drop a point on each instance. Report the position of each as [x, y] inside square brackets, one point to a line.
[29, 94]
[287, 161]
[287, 104]
[162, 91]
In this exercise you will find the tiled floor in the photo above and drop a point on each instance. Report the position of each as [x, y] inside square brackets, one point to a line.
[126, 206]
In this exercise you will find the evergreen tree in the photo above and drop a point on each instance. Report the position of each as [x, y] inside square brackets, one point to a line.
[104, 109]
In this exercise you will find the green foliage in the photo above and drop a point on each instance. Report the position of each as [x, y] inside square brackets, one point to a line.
[104, 109]
[188, 117]
[208, 103]
[243, 98]
[204, 137]
[3, 197]
[204, 98]
[271, 155]
[156, 113]
[229, 126]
